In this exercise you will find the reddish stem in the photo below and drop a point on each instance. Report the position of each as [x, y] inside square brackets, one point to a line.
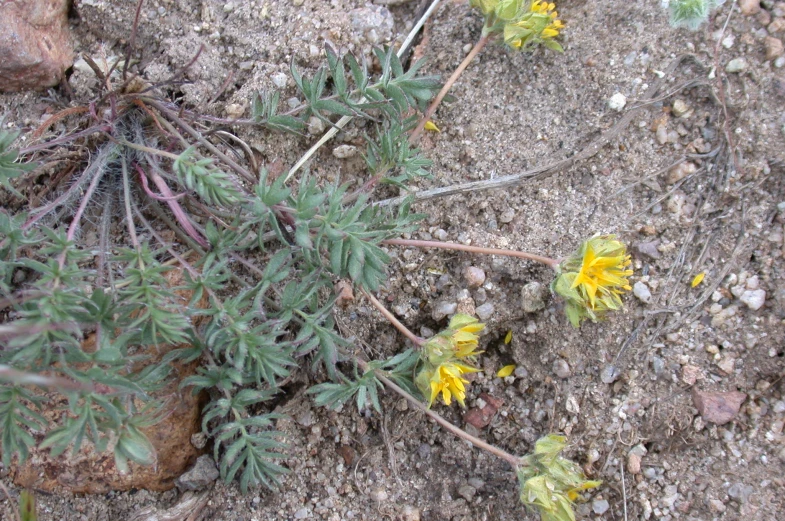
[394, 321]
[177, 210]
[553, 263]
[482, 42]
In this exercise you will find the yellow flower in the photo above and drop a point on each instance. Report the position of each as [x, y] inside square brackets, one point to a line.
[464, 336]
[603, 269]
[594, 279]
[448, 381]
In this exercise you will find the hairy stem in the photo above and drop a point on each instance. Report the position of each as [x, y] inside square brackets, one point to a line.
[481, 43]
[127, 200]
[553, 263]
[394, 321]
[514, 461]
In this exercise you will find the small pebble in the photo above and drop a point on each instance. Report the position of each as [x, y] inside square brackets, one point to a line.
[279, 79]
[303, 513]
[474, 276]
[203, 473]
[610, 374]
[690, 374]
[316, 127]
[740, 492]
[661, 134]
[485, 311]
[345, 151]
[467, 492]
[754, 299]
[507, 215]
[717, 506]
[379, 495]
[561, 368]
[642, 292]
[774, 48]
[617, 102]
[680, 171]
[600, 506]
[649, 249]
[533, 295]
[736, 65]
[749, 6]
[680, 108]
[443, 309]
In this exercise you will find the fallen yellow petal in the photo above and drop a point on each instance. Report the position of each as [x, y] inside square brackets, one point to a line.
[506, 371]
[430, 125]
[508, 337]
[698, 279]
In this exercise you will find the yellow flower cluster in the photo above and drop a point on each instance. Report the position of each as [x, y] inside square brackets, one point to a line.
[593, 279]
[522, 23]
[444, 360]
[549, 482]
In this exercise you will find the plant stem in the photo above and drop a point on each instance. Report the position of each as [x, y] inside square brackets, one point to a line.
[394, 321]
[553, 263]
[482, 42]
[514, 461]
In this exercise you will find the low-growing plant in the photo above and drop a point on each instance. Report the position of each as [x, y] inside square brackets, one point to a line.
[691, 13]
[202, 256]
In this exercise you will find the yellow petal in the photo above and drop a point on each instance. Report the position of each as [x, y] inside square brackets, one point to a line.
[430, 125]
[506, 371]
[698, 279]
[508, 337]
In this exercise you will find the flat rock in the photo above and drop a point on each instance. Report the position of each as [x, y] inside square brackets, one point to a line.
[35, 47]
[718, 407]
[200, 476]
[481, 417]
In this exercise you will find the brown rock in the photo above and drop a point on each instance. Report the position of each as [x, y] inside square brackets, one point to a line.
[680, 171]
[749, 6]
[774, 48]
[35, 47]
[690, 374]
[90, 472]
[776, 25]
[481, 417]
[718, 407]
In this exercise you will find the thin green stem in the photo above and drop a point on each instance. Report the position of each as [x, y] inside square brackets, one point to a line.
[394, 321]
[481, 43]
[553, 263]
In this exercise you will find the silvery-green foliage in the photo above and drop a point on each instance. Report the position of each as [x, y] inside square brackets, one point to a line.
[691, 13]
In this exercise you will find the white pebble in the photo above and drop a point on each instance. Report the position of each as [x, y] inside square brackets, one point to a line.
[345, 151]
[754, 298]
[617, 101]
[642, 292]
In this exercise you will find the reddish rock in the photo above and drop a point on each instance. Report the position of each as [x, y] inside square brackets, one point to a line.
[481, 417]
[35, 47]
[90, 472]
[719, 408]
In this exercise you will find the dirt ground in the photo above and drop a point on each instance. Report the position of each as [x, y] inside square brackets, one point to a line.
[621, 389]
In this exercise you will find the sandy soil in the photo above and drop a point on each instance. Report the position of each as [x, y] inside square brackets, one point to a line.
[718, 212]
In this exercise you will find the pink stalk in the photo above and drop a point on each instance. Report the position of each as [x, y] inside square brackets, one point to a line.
[177, 210]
